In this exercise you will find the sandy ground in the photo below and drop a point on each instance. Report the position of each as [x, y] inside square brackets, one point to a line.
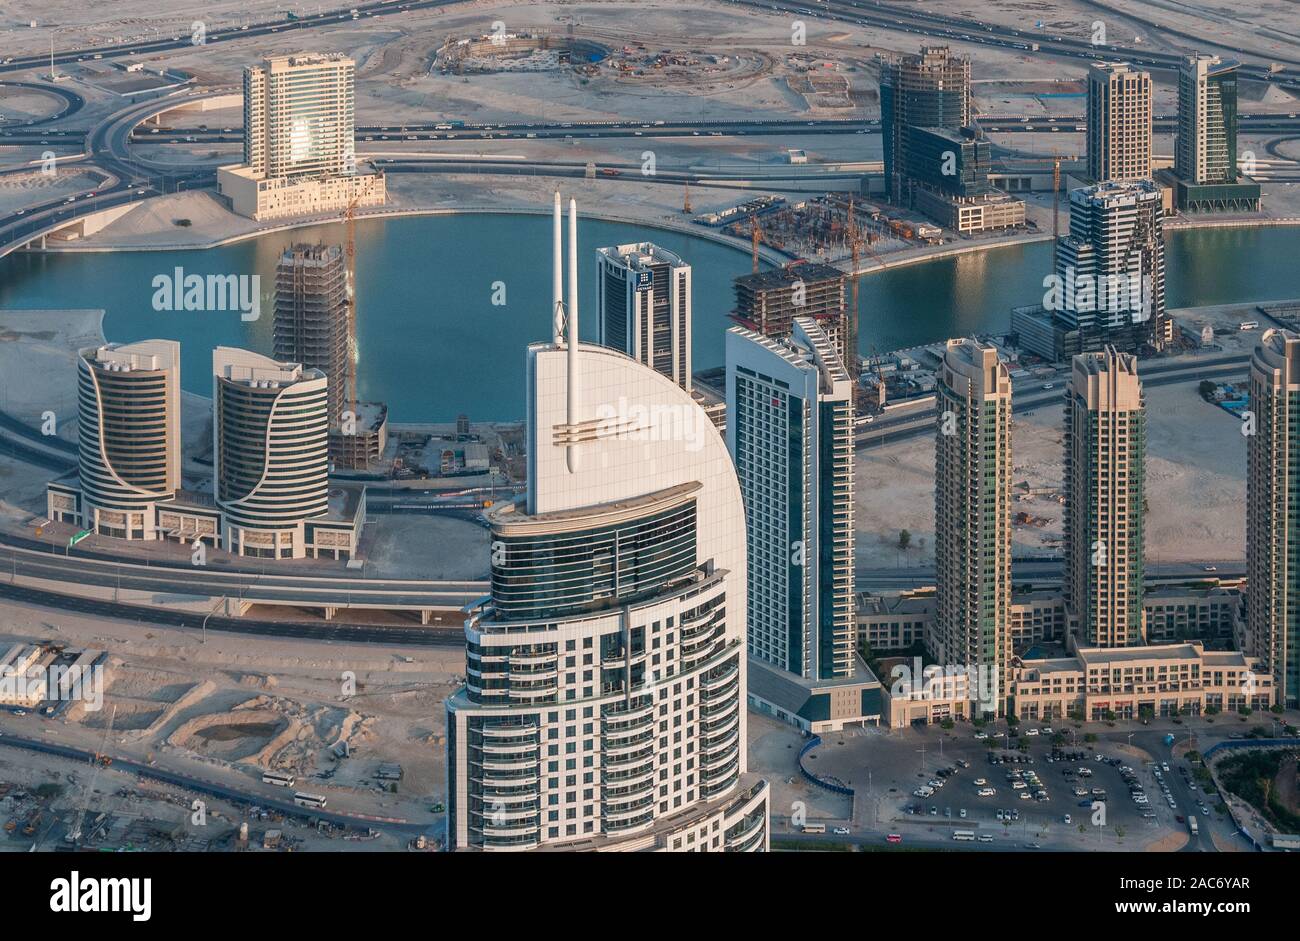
[1196, 486]
[225, 709]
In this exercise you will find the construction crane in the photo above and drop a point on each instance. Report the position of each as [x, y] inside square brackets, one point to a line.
[101, 760]
[857, 242]
[1056, 203]
[353, 354]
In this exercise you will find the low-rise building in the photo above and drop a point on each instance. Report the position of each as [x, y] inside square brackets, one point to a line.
[1126, 683]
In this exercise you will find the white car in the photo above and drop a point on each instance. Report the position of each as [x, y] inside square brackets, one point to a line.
[841, 831]
[981, 735]
[986, 792]
[1031, 731]
[980, 782]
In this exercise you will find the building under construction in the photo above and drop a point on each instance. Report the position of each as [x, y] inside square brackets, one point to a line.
[311, 315]
[770, 300]
[312, 310]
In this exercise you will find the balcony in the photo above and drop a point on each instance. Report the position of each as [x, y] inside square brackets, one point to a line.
[630, 743]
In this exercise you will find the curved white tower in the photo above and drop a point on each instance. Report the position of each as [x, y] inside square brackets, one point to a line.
[271, 447]
[604, 705]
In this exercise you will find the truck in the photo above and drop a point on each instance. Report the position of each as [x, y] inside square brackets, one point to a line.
[1192, 825]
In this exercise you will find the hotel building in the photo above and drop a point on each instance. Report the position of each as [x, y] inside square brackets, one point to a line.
[645, 307]
[604, 701]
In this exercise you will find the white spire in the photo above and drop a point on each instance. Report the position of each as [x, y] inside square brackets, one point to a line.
[571, 454]
[557, 280]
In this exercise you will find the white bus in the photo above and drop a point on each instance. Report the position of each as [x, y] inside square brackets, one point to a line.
[965, 836]
[308, 800]
[278, 778]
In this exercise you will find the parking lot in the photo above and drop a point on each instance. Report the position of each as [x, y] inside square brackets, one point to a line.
[926, 784]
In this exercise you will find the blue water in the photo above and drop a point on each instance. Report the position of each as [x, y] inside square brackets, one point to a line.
[434, 345]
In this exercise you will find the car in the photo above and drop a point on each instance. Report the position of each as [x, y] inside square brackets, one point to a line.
[840, 831]
[934, 811]
[894, 838]
[986, 792]
[1025, 795]
[20, 712]
[985, 838]
[1065, 819]
[1141, 799]
[1205, 811]
[1032, 731]
[981, 735]
[962, 813]
[1209, 568]
[1179, 818]
[1018, 785]
[963, 762]
[1165, 766]
[1002, 815]
[981, 782]
[1047, 730]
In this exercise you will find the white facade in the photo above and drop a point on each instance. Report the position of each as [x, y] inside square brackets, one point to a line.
[605, 676]
[299, 142]
[270, 452]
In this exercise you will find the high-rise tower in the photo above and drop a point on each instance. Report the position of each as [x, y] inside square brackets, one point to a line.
[1273, 510]
[790, 431]
[1105, 460]
[604, 703]
[972, 504]
[645, 307]
[1119, 122]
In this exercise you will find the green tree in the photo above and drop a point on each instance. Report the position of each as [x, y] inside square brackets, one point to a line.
[904, 539]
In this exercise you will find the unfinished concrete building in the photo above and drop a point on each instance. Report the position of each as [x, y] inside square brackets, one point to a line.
[769, 301]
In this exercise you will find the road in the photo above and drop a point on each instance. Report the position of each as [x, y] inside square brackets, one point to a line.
[1029, 395]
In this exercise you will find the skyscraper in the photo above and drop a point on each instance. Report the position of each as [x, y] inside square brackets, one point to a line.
[930, 90]
[645, 307]
[1105, 460]
[1110, 269]
[972, 509]
[299, 133]
[604, 704]
[790, 432]
[1205, 157]
[298, 116]
[128, 425]
[311, 315]
[769, 301]
[270, 444]
[1273, 510]
[1119, 122]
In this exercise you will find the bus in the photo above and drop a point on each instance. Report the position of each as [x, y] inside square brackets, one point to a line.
[1192, 825]
[278, 778]
[965, 836]
[308, 800]
[814, 828]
